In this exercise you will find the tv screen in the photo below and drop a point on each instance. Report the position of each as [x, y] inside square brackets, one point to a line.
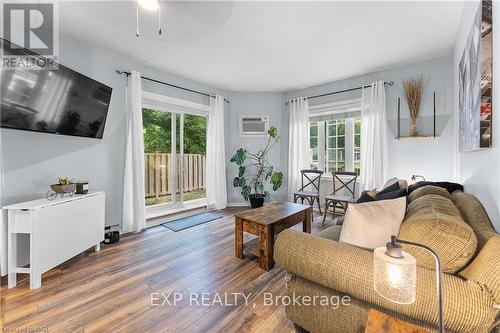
[59, 101]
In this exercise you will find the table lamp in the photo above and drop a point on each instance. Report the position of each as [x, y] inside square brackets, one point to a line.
[395, 274]
[414, 178]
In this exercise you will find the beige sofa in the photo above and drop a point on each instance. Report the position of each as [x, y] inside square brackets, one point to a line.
[458, 229]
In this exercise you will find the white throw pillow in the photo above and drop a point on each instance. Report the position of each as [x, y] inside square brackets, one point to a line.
[389, 182]
[370, 225]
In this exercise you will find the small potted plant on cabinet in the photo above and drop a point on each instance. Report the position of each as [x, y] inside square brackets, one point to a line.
[255, 172]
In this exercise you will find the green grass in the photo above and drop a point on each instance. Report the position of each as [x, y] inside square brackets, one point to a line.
[168, 198]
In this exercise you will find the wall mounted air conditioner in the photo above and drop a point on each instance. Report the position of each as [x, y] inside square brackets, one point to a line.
[254, 125]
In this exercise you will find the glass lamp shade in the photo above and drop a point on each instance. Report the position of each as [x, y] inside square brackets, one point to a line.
[395, 278]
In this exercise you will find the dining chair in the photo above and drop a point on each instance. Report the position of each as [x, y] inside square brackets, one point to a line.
[309, 190]
[347, 181]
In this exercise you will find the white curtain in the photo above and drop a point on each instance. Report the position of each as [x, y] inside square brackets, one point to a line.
[373, 136]
[216, 155]
[134, 211]
[298, 143]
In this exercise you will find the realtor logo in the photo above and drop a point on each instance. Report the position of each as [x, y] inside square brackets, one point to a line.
[30, 35]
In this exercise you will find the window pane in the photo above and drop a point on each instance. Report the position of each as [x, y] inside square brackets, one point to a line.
[332, 142]
[332, 129]
[331, 154]
[341, 142]
[341, 127]
[195, 138]
[157, 127]
[313, 143]
[314, 155]
[357, 126]
[313, 129]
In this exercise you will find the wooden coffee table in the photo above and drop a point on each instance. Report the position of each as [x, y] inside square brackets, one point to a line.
[266, 222]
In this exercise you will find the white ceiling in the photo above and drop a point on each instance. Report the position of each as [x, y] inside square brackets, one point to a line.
[268, 46]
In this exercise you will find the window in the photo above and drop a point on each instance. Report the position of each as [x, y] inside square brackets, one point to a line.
[357, 145]
[335, 145]
[174, 153]
[335, 137]
[313, 134]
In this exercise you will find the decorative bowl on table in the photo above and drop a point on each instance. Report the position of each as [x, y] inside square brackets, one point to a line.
[58, 188]
[61, 190]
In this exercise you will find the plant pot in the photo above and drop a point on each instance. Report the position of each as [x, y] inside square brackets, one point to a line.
[413, 127]
[256, 200]
[58, 188]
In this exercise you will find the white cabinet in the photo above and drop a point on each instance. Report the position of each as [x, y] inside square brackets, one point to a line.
[58, 230]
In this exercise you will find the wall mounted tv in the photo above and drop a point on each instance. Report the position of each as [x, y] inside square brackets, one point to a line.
[59, 101]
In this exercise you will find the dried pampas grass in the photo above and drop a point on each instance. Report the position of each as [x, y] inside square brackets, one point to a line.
[413, 90]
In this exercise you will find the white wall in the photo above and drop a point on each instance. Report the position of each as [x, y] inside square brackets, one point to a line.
[257, 104]
[432, 158]
[479, 171]
[35, 160]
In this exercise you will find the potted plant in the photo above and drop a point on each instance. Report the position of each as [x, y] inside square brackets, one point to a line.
[65, 185]
[255, 172]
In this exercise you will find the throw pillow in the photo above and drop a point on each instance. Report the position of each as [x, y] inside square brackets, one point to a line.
[390, 188]
[429, 189]
[391, 195]
[402, 182]
[390, 182]
[370, 225]
[373, 193]
[365, 197]
[450, 187]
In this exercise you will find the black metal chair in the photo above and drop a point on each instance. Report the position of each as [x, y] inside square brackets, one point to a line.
[347, 181]
[309, 178]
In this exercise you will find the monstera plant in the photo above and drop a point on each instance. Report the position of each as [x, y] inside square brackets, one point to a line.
[255, 172]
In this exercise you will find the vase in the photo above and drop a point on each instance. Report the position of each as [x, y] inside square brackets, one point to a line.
[413, 127]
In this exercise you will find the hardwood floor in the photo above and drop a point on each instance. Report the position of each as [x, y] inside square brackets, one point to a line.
[110, 291]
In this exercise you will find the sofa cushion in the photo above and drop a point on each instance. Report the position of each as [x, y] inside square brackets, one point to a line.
[370, 225]
[428, 189]
[331, 233]
[402, 182]
[392, 192]
[434, 221]
[475, 215]
[484, 269]
[365, 197]
[391, 195]
[450, 187]
[391, 188]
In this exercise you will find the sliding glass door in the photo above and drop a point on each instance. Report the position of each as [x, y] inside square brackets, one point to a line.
[194, 143]
[175, 154]
[158, 157]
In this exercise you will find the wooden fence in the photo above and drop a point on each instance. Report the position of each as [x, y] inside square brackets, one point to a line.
[158, 167]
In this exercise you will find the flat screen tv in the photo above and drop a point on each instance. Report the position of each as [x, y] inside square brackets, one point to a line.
[59, 101]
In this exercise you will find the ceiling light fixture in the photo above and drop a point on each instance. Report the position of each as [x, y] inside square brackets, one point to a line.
[151, 5]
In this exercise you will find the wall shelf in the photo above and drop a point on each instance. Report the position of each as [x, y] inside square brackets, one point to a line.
[416, 137]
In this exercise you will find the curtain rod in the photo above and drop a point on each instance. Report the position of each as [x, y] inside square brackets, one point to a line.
[170, 85]
[389, 83]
